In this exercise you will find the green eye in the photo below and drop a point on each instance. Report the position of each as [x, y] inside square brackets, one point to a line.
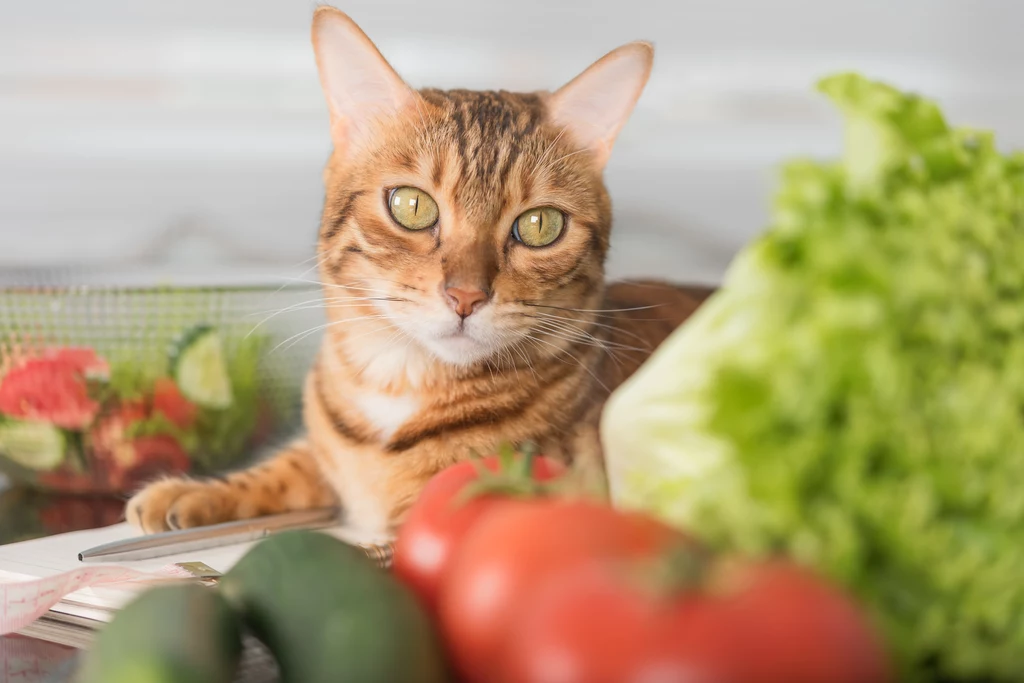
[538, 227]
[413, 209]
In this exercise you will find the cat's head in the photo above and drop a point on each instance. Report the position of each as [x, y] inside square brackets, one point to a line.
[465, 222]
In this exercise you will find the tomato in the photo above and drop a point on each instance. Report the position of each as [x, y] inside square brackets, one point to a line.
[152, 456]
[437, 522]
[768, 623]
[168, 400]
[509, 554]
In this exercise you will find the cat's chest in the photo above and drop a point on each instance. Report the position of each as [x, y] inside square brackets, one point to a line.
[385, 412]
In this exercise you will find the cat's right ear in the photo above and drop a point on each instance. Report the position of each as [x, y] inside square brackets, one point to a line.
[359, 84]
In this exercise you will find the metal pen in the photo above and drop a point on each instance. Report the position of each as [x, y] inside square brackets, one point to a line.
[212, 536]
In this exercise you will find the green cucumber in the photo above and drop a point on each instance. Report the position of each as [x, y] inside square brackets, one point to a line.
[328, 613]
[34, 445]
[184, 633]
[199, 367]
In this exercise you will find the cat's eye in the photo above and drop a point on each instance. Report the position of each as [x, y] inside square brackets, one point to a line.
[539, 227]
[414, 209]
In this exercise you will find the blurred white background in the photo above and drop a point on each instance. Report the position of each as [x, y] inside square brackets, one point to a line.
[193, 131]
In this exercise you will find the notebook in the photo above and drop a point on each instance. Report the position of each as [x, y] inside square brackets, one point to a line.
[76, 618]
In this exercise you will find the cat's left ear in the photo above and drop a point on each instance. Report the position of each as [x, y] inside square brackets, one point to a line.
[360, 86]
[595, 105]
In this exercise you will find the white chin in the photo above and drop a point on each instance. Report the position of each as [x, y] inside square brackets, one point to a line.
[458, 349]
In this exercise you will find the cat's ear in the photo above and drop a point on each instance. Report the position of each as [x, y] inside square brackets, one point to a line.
[595, 105]
[359, 84]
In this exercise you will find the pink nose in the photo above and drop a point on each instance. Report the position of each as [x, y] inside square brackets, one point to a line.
[465, 301]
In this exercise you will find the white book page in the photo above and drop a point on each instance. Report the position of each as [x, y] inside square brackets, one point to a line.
[53, 555]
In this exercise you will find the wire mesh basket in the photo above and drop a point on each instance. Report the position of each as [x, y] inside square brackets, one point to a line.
[108, 382]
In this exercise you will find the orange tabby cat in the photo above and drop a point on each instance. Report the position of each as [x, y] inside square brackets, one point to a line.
[462, 253]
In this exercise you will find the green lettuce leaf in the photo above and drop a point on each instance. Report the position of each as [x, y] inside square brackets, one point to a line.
[853, 396]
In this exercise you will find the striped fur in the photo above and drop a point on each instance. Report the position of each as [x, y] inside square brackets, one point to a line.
[402, 387]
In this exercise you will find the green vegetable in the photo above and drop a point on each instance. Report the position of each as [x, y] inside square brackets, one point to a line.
[199, 367]
[223, 434]
[329, 614]
[132, 379]
[171, 634]
[158, 425]
[34, 445]
[854, 394]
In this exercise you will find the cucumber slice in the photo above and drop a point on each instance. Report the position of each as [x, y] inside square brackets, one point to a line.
[200, 369]
[34, 445]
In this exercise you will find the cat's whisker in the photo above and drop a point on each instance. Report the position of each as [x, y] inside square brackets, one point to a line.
[560, 350]
[346, 338]
[518, 347]
[614, 328]
[490, 369]
[319, 301]
[314, 257]
[569, 335]
[586, 320]
[577, 341]
[326, 304]
[349, 338]
[320, 260]
[354, 285]
[592, 310]
[284, 309]
[298, 337]
[381, 295]
[336, 343]
[585, 337]
[356, 288]
[507, 356]
[312, 303]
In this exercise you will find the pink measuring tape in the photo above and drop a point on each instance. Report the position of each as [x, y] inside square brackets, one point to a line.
[22, 602]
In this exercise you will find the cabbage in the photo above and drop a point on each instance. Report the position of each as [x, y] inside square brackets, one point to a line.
[853, 395]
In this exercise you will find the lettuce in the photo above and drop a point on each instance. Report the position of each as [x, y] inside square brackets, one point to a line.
[853, 396]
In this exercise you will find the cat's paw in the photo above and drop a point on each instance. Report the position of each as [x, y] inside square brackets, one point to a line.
[179, 504]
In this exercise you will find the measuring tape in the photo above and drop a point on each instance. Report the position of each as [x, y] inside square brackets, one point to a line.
[22, 602]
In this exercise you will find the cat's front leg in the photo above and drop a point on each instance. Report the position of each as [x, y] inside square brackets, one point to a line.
[290, 480]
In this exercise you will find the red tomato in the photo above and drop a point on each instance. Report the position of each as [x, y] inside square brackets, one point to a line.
[773, 623]
[507, 557]
[168, 400]
[437, 522]
[153, 456]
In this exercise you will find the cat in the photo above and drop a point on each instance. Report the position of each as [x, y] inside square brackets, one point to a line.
[461, 253]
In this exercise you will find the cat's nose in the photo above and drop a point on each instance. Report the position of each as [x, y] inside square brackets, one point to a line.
[465, 301]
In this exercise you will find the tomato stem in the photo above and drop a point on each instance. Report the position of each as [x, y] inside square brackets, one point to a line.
[684, 568]
[529, 451]
[514, 477]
